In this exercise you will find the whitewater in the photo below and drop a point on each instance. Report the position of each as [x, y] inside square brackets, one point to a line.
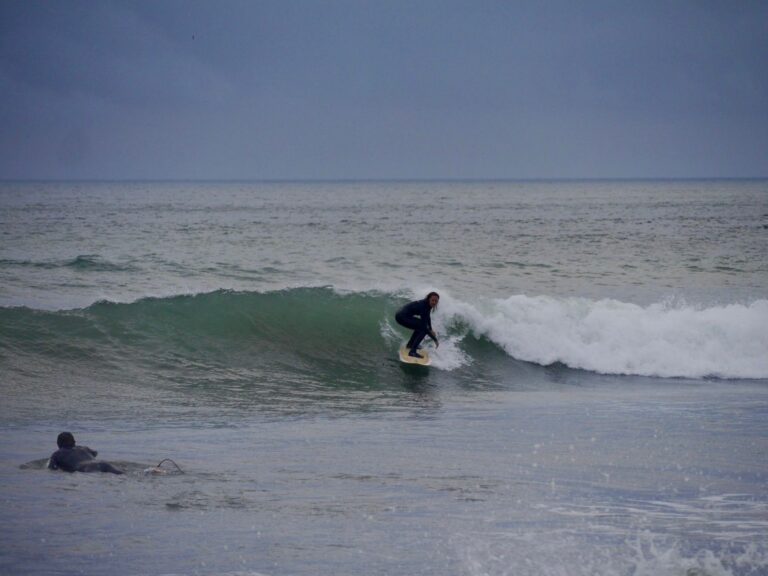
[597, 404]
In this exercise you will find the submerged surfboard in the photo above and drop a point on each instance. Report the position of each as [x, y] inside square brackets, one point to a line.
[405, 359]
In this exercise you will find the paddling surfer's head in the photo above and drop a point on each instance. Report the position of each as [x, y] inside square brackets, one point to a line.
[65, 440]
[432, 299]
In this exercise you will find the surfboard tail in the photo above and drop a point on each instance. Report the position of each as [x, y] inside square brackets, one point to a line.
[425, 360]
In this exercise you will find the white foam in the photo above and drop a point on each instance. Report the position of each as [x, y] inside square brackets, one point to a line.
[449, 355]
[613, 337]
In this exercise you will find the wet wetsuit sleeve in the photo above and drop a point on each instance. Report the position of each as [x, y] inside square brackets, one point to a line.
[52, 463]
[91, 451]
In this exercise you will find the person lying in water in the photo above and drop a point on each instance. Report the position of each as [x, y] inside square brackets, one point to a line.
[71, 458]
[416, 316]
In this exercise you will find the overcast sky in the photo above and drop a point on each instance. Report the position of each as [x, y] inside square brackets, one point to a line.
[383, 89]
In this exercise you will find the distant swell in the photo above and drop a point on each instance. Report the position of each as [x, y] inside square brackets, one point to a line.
[82, 262]
[95, 263]
[309, 330]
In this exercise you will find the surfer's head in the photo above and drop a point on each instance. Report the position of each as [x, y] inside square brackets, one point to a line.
[65, 440]
[432, 299]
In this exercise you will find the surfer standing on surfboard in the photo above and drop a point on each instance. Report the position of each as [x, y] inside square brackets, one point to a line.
[415, 316]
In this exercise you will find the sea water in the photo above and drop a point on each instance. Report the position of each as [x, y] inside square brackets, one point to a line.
[598, 404]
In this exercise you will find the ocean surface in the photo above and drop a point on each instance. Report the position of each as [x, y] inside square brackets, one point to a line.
[598, 404]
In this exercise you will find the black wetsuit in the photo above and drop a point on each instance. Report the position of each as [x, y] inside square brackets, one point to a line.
[416, 316]
[79, 459]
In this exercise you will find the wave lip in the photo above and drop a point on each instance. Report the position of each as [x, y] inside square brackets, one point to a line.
[613, 337]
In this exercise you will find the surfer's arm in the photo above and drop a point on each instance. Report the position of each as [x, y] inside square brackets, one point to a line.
[427, 316]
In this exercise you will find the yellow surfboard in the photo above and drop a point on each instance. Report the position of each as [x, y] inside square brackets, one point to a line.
[426, 361]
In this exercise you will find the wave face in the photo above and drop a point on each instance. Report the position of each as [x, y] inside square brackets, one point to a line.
[348, 336]
[222, 330]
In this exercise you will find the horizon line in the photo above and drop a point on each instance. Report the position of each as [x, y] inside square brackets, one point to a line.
[384, 180]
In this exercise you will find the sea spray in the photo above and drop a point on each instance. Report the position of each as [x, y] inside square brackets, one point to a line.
[645, 554]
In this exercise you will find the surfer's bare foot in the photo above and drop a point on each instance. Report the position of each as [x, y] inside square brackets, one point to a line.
[415, 354]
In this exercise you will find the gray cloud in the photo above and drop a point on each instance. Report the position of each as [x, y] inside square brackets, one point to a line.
[383, 90]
